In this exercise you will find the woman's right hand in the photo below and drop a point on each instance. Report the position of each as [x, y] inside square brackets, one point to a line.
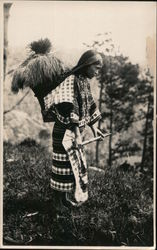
[96, 131]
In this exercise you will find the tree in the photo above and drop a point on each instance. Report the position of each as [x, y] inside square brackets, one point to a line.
[7, 7]
[117, 84]
[118, 78]
[145, 99]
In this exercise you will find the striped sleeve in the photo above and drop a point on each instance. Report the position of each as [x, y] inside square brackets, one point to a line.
[94, 117]
[94, 112]
[74, 113]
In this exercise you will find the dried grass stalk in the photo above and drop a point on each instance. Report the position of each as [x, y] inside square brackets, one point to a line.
[18, 80]
[38, 68]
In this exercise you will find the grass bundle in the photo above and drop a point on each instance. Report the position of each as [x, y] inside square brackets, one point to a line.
[40, 67]
[43, 68]
[18, 80]
[42, 46]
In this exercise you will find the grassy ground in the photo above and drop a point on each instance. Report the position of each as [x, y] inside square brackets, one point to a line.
[119, 210]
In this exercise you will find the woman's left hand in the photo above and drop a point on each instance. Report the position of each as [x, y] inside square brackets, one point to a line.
[97, 132]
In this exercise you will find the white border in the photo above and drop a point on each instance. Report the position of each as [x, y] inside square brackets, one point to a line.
[1, 166]
[1, 123]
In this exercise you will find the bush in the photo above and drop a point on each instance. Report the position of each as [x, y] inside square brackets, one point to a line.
[26, 171]
[119, 210]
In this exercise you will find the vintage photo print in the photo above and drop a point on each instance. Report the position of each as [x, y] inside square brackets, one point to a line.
[78, 125]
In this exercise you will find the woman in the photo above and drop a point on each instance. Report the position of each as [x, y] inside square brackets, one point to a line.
[73, 106]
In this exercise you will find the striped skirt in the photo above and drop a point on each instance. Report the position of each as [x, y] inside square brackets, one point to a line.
[62, 178]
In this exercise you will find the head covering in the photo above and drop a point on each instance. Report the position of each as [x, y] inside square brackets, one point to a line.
[88, 58]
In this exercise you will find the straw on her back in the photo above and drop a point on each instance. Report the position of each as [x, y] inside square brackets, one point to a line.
[40, 67]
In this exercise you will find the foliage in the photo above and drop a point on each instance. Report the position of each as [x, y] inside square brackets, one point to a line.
[118, 80]
[124, 92]
[119, 210]
[145, 97]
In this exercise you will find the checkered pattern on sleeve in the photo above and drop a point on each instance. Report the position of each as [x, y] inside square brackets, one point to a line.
[63, 93]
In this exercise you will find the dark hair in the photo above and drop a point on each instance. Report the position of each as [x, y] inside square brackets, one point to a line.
[88, 54]
[90, 57]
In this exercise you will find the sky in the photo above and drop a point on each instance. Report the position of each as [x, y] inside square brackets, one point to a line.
[69, 24]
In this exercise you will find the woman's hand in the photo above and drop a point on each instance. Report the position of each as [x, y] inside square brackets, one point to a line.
[96, 131]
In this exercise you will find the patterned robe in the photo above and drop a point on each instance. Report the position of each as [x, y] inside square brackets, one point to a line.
[71, 103]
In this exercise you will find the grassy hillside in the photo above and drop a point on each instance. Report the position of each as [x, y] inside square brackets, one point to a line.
[119, 211]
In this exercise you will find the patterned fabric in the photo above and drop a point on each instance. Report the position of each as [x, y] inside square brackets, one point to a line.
[84, 105]
[62, 177]
[69, 169]
[79, 166]
[60, 157]
[81, 123]
[66, 120]
[62, 171]
[65, 187]
[72, 102]
[63, 93]
[94, 117]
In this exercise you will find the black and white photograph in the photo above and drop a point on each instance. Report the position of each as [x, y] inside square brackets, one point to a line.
[78, 125]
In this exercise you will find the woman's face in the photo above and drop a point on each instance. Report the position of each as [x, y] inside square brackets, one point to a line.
[93, 70]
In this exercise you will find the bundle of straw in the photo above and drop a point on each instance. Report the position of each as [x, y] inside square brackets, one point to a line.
[41, 67]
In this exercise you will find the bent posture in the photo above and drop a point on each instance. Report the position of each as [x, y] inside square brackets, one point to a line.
[65, 98]
[74, 108]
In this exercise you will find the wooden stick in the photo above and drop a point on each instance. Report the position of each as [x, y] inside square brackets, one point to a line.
[94, 139]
